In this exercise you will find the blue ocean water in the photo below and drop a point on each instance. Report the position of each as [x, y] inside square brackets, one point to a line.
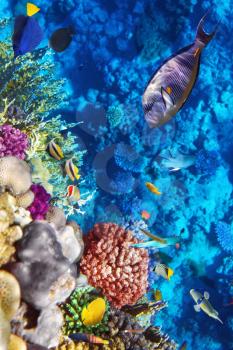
[116, 49]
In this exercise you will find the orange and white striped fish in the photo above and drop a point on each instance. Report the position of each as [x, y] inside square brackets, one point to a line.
[72, 170]
[73, 193]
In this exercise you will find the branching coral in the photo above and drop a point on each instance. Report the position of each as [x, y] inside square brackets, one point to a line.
[110, 264]
[12, 142]
[225, 236]
[72, 313]
[40, 205]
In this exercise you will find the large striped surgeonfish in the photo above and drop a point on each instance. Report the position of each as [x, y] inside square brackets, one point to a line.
[174, 80]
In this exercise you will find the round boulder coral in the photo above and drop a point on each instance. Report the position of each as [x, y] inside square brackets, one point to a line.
[12, 142]
[15, 175]
[112, 265]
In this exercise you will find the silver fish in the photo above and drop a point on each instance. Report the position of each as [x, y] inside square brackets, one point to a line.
[202, 303]
[178, 162]
[174, 80]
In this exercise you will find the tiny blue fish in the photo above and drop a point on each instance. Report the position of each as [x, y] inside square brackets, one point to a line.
[173, 81]
[27, 34]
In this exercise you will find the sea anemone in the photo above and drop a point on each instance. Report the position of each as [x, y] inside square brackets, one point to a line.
[112, 265]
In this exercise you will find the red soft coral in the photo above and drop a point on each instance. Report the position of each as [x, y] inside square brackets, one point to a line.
[112, 265]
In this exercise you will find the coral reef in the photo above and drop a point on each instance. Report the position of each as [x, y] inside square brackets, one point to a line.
[225, 236]
[9, 304]
[9, 231]
[40, 335]
[12, 142]
[44, 274]
[40, 204]
[56, 216]
[207, 162]
[72, 312]
[9, 166]
[109, 263]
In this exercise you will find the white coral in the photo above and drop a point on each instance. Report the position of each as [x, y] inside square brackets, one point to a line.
[15, 175]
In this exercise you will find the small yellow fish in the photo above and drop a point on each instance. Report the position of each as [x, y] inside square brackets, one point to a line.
[158, 295]
[93, 313]
[164, 271]
[71, 170]
[153, 189]
[32, 9]
[55, 151]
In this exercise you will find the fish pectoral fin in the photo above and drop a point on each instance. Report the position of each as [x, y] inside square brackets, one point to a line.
[167, 99]
[175, 169]
[197, 308]
[206, 295]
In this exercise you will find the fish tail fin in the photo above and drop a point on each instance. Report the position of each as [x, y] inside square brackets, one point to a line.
[202, 37]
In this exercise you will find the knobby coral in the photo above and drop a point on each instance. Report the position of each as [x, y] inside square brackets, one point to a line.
[72, 313]
[40, 205]
[110, 264]
[13, 142]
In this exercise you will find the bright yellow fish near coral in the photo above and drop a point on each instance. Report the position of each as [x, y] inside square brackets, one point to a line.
[152, 188]
[93, 313]
[71, 170]
[55, 150]
[32, 9]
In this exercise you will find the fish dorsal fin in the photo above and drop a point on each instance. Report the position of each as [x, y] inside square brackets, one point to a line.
[167, 99]
[32, 9]
[206, 295]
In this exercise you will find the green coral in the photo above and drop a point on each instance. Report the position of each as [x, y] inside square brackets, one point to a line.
[115, 115]
[72, 313]
[30, 82]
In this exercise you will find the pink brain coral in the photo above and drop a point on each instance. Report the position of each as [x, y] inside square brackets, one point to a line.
[112, 265]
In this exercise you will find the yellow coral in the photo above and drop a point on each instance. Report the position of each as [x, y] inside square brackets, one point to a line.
[116, 343]
[25, 199]
[16, 343]
[9, 294]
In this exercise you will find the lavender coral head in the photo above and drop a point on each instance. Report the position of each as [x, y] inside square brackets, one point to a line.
[225, 236]
[40, 205]
[13, 142]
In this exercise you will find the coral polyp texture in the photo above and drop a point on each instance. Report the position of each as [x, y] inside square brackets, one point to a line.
[225, 236]
[40, 204]
[110, 264]
[72, 311]
[13, 142]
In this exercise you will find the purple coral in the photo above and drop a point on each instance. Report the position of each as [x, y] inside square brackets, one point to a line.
[40, 205]
[13, 142]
